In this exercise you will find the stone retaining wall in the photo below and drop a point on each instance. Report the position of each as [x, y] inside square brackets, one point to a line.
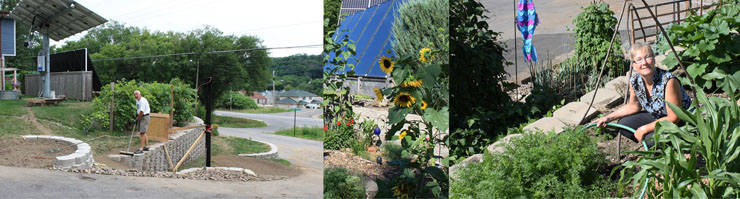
[156, 160]
[82, 158]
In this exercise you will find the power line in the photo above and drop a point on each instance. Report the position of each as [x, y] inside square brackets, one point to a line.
[210, 52]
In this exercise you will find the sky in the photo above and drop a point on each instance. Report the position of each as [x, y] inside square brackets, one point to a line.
[279, 23]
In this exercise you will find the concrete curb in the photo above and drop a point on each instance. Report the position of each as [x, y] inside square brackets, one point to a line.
[272, 154]
[247, 171]
[82, 158]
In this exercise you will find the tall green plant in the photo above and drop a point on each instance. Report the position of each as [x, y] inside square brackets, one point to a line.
[417, 25]
[710, 137]
[158, 95]
[712, 45]
[337, 103]
[593, 31]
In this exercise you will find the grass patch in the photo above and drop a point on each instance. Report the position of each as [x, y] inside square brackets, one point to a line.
[242, 146]
[13, 107]
[233, 122]
[312, 133]
[13, 127]
[392, 150]
[258, 110]
[67, 113]
[281, 161]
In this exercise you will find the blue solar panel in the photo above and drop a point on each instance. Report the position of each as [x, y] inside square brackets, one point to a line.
[371, 31]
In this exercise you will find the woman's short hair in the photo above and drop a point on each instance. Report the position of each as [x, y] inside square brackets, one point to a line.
[640, 47]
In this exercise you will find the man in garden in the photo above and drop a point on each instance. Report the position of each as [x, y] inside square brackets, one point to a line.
[142, 120]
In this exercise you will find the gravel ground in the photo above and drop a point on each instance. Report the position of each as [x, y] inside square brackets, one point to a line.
[211, 175]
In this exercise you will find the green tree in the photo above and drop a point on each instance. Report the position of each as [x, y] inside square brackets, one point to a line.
[331, 12]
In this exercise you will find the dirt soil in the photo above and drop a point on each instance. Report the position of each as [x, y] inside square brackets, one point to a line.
[32, 153]
[358, 165]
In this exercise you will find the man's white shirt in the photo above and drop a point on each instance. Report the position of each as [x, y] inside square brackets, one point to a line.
[142, 105]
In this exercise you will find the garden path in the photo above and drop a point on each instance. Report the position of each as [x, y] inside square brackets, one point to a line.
[42, 128]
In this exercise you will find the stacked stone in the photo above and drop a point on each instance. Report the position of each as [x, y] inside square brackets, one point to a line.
[156, 160]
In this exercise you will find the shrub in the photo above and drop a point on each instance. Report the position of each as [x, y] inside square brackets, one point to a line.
[158, 95]
[339, 184]
[418, 25]
[537, 166]
[392, 151]
[712, 46]
[341, 135]
[594, 29]
[237, 101]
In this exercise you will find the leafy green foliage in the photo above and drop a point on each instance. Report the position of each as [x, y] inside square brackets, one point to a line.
[537, 166]
[242, 70]
[235, 122]
[709, 138]
[331, 13]
[337, 104]
[313, 133]
[481, 112]
[298, 72]
[418, 25]
[711, 43]
[341, 134]
[339, 184]
[235, 100]
[594, 29]
[158, 95]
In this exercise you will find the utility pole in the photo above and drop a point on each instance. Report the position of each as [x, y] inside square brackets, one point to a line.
[274, 96]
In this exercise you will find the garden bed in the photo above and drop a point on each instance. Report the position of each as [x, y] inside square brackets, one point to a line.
[32, 153]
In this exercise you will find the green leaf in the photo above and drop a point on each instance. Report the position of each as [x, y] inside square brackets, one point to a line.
[397, 114]
[696, 69]
[681, 113]
[437, 173]
[440, 118]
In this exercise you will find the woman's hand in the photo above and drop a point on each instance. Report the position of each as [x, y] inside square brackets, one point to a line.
[601, 122]
[640, 133]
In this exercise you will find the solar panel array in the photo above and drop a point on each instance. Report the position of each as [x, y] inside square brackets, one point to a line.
[64, 17]
[370, 29]
[352, 6]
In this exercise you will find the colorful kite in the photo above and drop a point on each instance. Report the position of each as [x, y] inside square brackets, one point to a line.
[527, 20]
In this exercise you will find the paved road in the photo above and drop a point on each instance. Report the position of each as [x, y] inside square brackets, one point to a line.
[554, 34]
[42, 183]
[277, 121]
[304, 153]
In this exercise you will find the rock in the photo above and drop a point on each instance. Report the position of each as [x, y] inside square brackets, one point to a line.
[572, 113]
[500, 145]
[477, 158]
[546, 124]
[249, 172]
[605, 98]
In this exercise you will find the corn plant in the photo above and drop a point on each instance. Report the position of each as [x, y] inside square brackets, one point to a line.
[710, 138]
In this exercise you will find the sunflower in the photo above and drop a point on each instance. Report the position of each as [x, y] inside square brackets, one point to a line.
[423, 55]
[423, 104]
[403, 134]
[386, 64]
[415, 84]
[378, 94]
[400, 191]
[404, 100]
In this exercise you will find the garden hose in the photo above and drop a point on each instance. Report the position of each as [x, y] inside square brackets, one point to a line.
[644, 187]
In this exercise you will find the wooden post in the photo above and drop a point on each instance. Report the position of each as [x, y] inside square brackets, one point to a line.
[174, 170]
[168, 155]
[112, 105]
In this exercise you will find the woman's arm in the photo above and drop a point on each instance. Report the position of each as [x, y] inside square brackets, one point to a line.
[672, 95]
[630, 108]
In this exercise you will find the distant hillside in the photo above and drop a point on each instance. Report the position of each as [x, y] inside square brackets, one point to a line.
[298, 72]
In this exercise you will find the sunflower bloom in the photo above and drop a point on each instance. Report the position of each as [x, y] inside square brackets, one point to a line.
[423, 104]
[423, 55]
[415, 84]
[378, 94]
[404, 100]
[386, 65]
[403, 134]
[400, 191]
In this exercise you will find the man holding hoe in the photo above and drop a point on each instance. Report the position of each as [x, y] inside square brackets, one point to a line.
[142, 119]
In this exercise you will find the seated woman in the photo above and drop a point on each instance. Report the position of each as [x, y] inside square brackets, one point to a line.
[650, 88]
